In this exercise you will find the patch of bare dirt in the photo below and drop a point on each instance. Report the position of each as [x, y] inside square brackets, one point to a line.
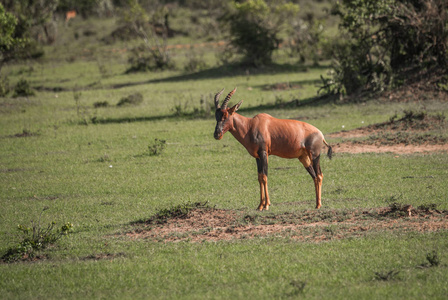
[349, 147]
[413, 133]
[209, 224]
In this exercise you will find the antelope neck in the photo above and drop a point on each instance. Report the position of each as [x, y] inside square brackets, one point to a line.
[240, 127]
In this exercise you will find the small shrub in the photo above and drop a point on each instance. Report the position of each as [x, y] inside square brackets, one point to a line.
[4, 86]
[157, 147]
[143, 60]
[23, 89]
[134, 99]
[101, 104]
[103, 70]
[82, 111]
[433, 259]
[35, 238]
[255, 26]
[195, 63]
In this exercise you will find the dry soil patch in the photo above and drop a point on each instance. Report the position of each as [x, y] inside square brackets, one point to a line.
[206, 224]
[413, 133]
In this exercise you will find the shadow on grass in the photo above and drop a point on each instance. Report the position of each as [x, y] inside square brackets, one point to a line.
[311, 101]
[230, 70]
[225, 71]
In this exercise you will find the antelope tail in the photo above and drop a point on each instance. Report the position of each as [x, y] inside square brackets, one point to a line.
[330, 150]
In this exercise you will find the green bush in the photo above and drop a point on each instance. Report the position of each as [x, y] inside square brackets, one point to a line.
[23, 89]
[384, 39]
[144, 59]
[255, 26]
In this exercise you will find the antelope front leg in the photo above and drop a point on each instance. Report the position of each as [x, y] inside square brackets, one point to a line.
[262, 166]
[264, 195]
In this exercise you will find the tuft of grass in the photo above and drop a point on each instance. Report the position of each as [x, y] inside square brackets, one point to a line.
[133, 99]
[386, 276]
[298, 287]
[428, 207]
[177, 211]
[101, 104]
[433, 259]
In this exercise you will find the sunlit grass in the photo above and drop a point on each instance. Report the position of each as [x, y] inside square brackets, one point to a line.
[90, 166]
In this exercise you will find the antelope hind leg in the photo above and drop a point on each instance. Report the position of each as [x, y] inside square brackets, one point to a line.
[306, 161]
[318, 181]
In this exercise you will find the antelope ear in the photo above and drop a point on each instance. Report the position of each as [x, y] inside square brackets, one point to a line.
[235, 107]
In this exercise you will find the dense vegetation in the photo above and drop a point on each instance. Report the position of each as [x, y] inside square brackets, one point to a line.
[380, 42]
[108, 155]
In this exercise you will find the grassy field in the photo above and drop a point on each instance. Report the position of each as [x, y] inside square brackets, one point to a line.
[93, 167]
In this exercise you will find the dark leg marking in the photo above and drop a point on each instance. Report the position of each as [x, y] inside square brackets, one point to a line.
[262, 163]
[316, 165]
[310, 170]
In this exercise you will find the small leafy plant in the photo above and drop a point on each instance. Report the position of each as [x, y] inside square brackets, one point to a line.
[34, 238]
[157, 147]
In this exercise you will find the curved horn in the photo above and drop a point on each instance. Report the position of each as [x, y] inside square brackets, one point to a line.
[217, 98]
[224, 104]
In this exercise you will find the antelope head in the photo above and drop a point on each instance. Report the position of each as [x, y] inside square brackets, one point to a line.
[224, 115]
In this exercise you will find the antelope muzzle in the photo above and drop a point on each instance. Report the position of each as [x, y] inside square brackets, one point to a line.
[218, 131]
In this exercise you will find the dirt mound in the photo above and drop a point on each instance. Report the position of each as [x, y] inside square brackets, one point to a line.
[210, 224]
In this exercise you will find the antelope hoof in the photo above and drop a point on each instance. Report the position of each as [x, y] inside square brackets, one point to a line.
[318, 206]
[263, 207]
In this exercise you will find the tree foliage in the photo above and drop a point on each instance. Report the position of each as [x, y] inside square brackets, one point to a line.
[153, 54]
[255, 26]
[9, 42]
[386, 38]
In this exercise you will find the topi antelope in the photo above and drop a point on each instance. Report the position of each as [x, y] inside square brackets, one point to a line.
[264, 135]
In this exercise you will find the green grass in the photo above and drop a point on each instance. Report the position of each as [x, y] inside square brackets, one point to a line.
[259, 268]
[100, 178]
